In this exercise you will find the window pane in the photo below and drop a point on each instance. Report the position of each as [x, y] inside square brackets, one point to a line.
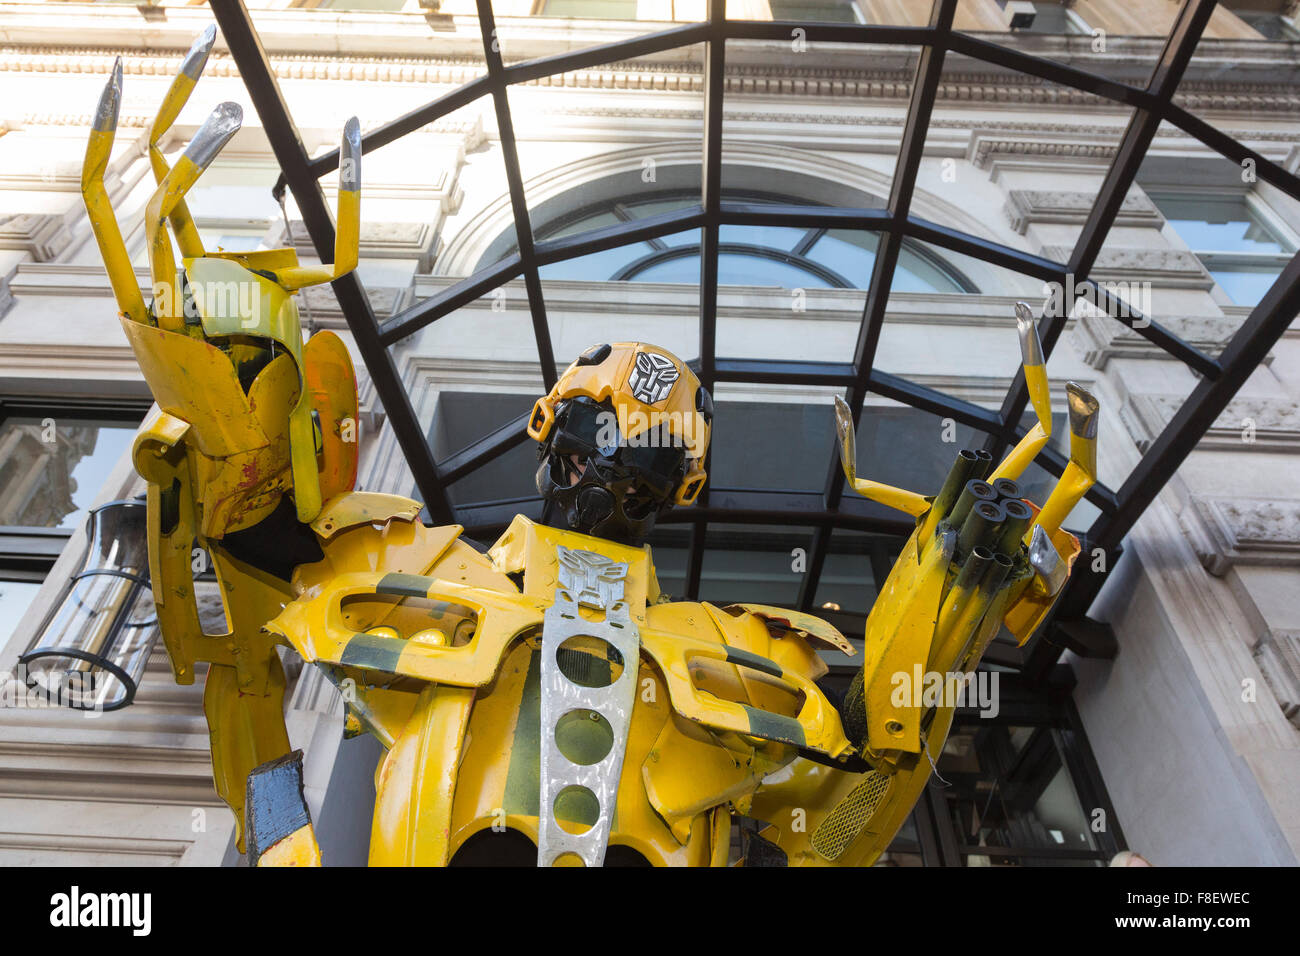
[784, 238]
[52, 470]
[684, 269]
[736, 268]
[1245, 285]
[15, 597]
[1217, 224]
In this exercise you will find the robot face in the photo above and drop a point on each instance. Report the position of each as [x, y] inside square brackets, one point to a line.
[624, 433]
[601, 483]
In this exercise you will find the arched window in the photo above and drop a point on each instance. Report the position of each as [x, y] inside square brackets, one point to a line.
[782, 256]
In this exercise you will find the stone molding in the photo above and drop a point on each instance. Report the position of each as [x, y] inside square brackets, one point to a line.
[1033, 206]
[1275, 421]
[1250, 531]
[43, 237]
[1164, 266]
[1102, 338]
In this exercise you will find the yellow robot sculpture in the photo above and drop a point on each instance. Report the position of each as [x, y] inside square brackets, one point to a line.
[543, 701]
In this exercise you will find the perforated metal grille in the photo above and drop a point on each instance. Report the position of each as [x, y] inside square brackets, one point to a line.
[843, 824]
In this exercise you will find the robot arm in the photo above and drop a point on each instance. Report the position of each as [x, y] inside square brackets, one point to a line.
[981, 556]
[247, 415]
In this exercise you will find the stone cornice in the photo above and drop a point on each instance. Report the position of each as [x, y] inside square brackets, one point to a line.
[1234, 91]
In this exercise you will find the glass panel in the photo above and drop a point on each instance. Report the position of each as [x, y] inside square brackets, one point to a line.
[580, 135]
[52, 470]
[849, 253]
[752, 564]
[1245, 285]
[848, 581]
[462, 418]
[770, 445]
[670, 546]
[808, 116]
[834, 11]
[518, 27]
[905, 848]
[909, 447]
[981, 177]
[1240, 73]
[1093, 36]
[782, 238]
[594, 9]
[1217, 240]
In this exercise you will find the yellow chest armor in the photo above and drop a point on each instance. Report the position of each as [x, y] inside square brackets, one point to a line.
[547, 688]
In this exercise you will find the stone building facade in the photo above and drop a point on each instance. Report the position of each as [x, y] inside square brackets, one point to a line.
[1195, 725]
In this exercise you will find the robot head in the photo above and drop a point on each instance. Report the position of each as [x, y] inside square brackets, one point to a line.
[623, 436]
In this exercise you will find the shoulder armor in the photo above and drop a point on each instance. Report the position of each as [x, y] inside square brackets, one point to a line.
[805, 625]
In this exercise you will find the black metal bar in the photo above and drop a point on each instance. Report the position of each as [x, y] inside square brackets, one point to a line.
[1081, 765]
[585, 59]
[927, 399]
[122, 409]
[816, 558]
[518, 199]
[427, 311]
[695, 560]
[255, 70]
[787, 507]
[1179, 47]
[1153, 332]
[28, 554]
[1265, 169]
[715, 58]
[1245, 351]
[984, 250]
[949, 846]
[775, 372]
[803, 217]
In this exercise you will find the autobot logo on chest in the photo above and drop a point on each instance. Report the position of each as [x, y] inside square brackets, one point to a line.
[592, 579]
[652, 377]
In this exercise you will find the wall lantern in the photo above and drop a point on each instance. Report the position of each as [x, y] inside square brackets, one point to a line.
[92, 650]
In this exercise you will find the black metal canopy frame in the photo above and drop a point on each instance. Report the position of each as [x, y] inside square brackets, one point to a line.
[1220, 377]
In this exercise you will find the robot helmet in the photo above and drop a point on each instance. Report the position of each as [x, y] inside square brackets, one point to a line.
[623, 437]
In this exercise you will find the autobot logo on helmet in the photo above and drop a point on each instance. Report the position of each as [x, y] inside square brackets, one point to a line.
[652, 377]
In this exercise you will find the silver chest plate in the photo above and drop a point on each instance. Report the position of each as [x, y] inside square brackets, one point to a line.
[590, 580]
